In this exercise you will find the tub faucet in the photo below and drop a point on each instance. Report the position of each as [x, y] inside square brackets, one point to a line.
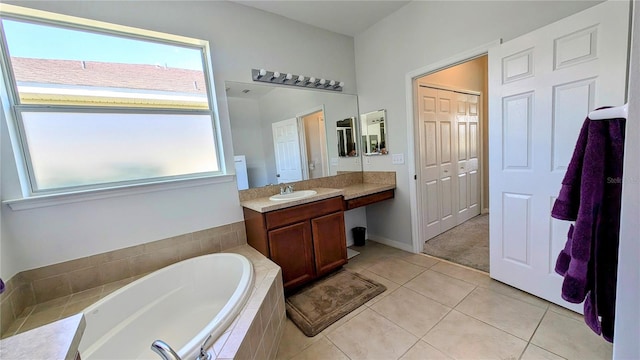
[164, 350]
[204, 355]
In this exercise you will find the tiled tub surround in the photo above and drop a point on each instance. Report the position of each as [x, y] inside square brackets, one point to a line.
[39, 296]
[257, 330]
[345, 182]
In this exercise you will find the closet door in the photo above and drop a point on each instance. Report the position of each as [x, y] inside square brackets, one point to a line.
[438, 160]
[468, 141]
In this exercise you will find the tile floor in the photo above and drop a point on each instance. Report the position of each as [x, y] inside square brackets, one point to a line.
[433, 309]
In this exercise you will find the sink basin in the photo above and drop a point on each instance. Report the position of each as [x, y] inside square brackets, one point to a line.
[301, 194]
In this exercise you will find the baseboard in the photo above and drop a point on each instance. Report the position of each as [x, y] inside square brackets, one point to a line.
[484, 211]
[350, 242]
[392, 243]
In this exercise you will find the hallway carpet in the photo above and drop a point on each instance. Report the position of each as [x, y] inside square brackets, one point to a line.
[466, 244]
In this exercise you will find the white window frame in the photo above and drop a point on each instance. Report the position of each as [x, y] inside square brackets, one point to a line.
[9, 96]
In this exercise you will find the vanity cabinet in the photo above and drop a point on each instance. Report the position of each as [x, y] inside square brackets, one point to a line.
[307, 241]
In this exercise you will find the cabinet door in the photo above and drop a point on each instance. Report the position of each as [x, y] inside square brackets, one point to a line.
[291, 248]
[329, 242]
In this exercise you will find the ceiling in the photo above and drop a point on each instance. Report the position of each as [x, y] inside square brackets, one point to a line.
[344, 17]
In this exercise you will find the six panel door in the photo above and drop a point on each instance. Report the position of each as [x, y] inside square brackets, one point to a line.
[543, 85]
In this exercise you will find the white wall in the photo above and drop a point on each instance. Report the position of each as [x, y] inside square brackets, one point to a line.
[627, 327]
[246, 139]
[241, 38]
[419, 34]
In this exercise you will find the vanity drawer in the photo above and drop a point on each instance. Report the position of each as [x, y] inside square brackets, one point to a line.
[303, 212]
[368, 199]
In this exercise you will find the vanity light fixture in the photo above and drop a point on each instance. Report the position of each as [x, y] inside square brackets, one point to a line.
[275, 77]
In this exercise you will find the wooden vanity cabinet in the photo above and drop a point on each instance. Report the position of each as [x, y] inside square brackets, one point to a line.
[307, 241]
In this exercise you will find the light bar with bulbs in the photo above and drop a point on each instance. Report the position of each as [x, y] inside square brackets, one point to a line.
[275, 77]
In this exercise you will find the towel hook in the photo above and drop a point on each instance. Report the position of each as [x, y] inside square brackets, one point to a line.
[610, 113]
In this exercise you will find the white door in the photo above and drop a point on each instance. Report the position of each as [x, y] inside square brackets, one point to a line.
[542, 85]
[437, 169]
[286, 146]
[468, 136]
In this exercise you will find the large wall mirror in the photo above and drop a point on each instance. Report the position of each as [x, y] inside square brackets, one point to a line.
[374, 133]
[283, 134]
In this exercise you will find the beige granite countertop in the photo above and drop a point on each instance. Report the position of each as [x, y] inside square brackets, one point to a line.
[363, 189]
[58, 340]
[264, 205]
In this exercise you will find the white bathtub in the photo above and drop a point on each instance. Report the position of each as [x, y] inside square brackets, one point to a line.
[180, 304]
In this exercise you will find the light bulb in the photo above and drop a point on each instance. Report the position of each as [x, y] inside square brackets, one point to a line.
[332, 83]
[322, 81]
[275, 75]
[262, 73]
[341, 84]
[289, 77]
[312, 80]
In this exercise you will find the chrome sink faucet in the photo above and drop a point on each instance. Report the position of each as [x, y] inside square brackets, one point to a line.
[286, 189]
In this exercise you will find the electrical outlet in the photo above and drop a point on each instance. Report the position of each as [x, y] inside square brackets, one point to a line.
[397, 159]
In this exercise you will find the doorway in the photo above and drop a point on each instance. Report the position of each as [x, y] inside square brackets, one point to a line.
[451, 147]
[300, 147]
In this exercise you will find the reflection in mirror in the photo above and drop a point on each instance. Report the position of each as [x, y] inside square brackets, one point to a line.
[347, 137]
[283, 134]
[374, 138]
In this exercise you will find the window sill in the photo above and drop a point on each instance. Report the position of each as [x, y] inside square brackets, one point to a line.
[40, 201]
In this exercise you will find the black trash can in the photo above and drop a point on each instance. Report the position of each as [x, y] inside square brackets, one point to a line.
[359, 234]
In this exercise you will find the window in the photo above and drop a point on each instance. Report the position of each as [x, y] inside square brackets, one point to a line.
[99, 105]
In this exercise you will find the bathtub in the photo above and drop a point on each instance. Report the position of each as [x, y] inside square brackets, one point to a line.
[180, 304]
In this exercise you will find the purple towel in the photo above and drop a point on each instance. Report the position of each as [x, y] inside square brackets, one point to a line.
[590, 195]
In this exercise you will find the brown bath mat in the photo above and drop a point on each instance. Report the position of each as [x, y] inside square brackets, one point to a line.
[324, 302]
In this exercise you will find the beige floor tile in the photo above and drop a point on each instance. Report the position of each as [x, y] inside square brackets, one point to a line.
[343, 320]
[321, 350]
[371, 336]
[390, 285]
[462, 273]
[396, 270]
[570, 338]
[441, 288]
[513, 316]
[421, 351]
[294, 341]
[510, 291]
[463, 337]
[420, 260]
[411, 311]
[536, 353]
[566, 312]
[355, 266]
[483, 280]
